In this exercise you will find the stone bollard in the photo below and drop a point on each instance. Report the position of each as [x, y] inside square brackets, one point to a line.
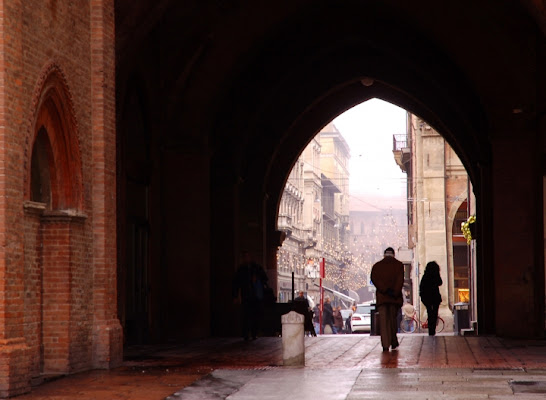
[293, 345]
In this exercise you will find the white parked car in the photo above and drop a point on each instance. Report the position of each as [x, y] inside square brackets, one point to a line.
[361, 321]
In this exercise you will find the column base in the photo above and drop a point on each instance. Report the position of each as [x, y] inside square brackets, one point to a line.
[108, 344]
[14, 367]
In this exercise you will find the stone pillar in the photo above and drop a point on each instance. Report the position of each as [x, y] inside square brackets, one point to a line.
[517, 259]
[223, 254]
[185, 239]
[293, 343]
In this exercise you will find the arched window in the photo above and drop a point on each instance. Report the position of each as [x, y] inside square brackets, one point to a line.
[55, 176]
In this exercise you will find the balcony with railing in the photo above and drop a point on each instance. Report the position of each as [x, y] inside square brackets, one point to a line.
[284, 222]
[401, 149]
[399, 142]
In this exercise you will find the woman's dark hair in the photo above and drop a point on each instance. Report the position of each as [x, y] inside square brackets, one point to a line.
[432, 268]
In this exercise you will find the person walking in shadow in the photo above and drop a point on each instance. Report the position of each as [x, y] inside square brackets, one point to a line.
[250, 282]
[430, 294]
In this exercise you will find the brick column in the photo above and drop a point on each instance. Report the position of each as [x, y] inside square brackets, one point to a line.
[14, 351]
[107, 333]
[14, 368]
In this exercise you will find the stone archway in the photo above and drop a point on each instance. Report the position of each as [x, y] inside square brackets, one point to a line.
[299, 92]
[262, 180]
[238, 100]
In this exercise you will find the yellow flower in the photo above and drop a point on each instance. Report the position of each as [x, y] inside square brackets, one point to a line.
[465, 228]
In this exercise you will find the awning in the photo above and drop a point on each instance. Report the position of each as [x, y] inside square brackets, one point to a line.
[338, 294]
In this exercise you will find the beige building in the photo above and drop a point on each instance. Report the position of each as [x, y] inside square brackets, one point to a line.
[438, 202]
[291, 257]
[314, 216]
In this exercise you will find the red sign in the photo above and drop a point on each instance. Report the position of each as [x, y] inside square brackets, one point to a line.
[322, 272]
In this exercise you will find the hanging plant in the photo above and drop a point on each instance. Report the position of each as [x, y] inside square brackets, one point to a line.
[469, 228]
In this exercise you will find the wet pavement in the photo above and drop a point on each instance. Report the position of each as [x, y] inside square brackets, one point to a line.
[337, 367]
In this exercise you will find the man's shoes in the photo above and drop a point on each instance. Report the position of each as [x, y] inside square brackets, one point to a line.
[385, 349]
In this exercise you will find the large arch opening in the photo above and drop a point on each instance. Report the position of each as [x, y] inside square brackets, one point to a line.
[285, 149]
[360, 186]
[287, 111]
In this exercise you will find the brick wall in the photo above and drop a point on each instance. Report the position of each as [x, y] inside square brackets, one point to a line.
[33, 286]
[57, 295]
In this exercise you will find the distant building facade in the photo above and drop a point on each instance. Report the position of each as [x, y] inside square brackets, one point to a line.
[372, 230]
[314, 216]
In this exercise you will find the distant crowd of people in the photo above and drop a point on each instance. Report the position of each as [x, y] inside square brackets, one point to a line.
[331, 318]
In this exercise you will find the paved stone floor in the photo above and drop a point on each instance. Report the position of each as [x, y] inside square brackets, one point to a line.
[337, 367]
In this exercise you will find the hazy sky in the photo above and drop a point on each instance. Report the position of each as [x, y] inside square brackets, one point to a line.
[368, 128]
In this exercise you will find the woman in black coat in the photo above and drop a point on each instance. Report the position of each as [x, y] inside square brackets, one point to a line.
[430, 294]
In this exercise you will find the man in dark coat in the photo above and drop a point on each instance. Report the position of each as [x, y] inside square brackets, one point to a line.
[250, 282]
[388, 279]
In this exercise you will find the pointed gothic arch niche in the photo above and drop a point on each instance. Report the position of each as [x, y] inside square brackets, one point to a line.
[55, 170]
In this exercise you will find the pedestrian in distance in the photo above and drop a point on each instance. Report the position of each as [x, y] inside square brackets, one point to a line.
[301, 305]
[338, 319]
[348, 322]
[429, 290]
[249, 286]
[328, 316]
[301, 298]
[388, 279]
[316, 318]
